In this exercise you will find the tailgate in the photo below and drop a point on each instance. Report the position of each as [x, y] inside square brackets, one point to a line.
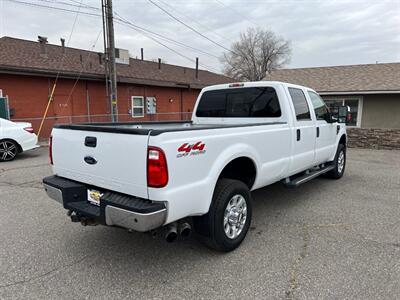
[117, 162]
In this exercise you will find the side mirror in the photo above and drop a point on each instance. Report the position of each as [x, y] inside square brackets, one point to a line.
[331, 118]
[338, 114]
[343, 113]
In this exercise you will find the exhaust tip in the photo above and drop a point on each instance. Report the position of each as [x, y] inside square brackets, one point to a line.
[171, 237]
[186, 233]
[185, 230]
[172, 232]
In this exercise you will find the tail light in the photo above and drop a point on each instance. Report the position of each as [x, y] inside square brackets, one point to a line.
[29, 129]
[51, 149]
[157, 171]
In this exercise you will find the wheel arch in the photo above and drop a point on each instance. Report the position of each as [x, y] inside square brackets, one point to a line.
[228, 157]
[343, 139]
[242, 168]
[20, 150]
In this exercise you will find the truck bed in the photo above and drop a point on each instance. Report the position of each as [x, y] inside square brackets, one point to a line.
[152, 128]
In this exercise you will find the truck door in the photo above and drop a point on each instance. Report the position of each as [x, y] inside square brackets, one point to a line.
[325, 144]
[303, 132]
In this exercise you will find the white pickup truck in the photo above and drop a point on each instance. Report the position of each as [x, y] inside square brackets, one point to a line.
[178, 175]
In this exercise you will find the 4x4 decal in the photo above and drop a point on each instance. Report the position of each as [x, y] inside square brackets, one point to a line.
[191, 149]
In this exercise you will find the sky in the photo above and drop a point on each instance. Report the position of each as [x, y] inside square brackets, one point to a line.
[322, 33]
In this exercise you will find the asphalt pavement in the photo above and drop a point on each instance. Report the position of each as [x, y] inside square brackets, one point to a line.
[327, 239]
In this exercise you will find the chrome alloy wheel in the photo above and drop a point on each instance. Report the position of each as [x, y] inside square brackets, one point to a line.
[235, 216]
[340, 162]
[8, 150]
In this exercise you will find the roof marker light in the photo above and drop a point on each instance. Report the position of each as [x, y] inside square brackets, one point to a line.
[236, 84]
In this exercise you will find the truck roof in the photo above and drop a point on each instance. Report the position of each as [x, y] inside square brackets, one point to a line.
[250, 84]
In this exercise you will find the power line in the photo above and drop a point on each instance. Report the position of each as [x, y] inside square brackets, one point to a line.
[84, 65]
[237, 12]
[171, 49]
[68, 41]
[85, 5]
[145, 32]
[127, 22]
[119, 17]
[193, 20]
[58, 74]
[188, 26]
[70, 4]
[124, 21]
[52, 7]
[139, 29]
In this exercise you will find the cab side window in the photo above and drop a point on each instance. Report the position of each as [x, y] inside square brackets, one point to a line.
[300, 104]
[320, 108]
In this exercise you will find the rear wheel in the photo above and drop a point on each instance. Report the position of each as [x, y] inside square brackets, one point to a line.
[8, 150]
[339, 162]
[226, 224]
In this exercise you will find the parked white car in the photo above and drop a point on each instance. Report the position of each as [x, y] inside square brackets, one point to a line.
[243, 136]
[15, 138]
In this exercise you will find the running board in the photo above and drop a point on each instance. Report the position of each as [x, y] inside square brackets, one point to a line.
[308, 176]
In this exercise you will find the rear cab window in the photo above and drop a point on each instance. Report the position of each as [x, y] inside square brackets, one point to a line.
[251, 102]
[300, 104]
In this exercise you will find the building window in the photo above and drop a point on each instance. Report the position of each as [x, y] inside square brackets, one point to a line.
[137, 106]
[300, 104]
[355, 104]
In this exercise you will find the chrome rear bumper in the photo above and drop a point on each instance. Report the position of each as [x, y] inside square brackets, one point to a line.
[114, 210]
[116, 216]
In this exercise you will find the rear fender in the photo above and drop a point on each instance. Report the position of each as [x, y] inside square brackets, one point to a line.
[230, 154]
[194, 198]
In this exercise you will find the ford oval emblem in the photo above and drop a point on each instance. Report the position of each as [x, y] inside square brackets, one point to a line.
[90, 160]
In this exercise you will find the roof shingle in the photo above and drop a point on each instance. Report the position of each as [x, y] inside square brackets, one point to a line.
[351, 78]
[25, 56]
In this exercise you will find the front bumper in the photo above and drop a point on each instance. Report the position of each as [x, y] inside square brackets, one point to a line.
[115, 209]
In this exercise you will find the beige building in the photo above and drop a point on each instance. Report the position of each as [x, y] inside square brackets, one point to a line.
[372, 91]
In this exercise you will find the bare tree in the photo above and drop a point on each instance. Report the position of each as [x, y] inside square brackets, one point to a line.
[257, 52]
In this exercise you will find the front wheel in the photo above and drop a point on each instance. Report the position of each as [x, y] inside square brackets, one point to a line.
[228, 220]
[339, 163]
[8, 150]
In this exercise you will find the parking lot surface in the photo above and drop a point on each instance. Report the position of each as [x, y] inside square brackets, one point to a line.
[327, 239]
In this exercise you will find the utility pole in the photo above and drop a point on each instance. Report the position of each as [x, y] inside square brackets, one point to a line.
[110, 51]
[105, 38]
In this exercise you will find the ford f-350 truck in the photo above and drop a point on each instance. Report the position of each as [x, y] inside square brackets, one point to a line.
[175, 175]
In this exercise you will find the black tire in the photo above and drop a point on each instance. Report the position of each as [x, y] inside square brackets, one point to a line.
[338, 172]
[8, 150]
[211, 226]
